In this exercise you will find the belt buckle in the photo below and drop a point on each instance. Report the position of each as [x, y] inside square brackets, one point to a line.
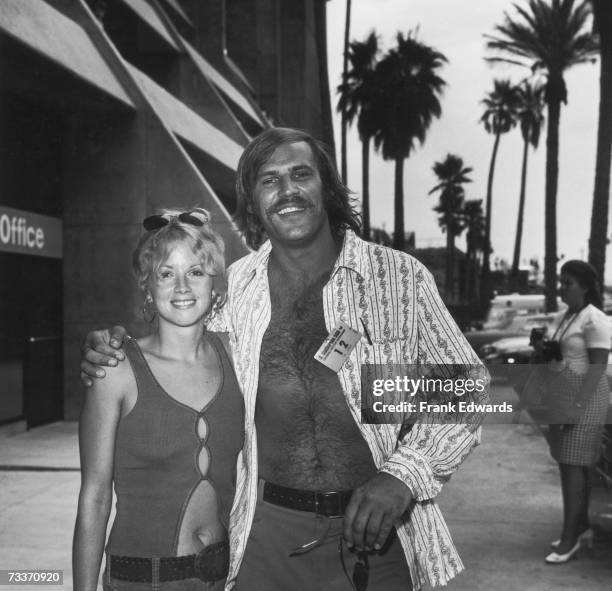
[325, 496]
[211, 563]
[200, 566]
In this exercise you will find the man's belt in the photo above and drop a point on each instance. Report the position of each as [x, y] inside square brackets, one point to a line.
[326, 503]
[210, 564]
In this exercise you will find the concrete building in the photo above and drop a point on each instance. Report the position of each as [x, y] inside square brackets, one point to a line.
[110, 109]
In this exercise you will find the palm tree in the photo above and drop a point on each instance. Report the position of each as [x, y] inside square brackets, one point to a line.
[599, 218]
[358, 96]
[547, 37]
[531, 118]
[474, 220]
[498, 118]
[410, 91]
[452, 175]
[347, 32]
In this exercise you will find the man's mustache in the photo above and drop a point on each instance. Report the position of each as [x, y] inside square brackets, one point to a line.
[296, 201]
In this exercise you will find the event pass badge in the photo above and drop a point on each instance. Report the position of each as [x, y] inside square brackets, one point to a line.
[338, 346]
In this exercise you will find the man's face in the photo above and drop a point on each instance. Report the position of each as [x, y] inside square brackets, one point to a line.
[288, 195]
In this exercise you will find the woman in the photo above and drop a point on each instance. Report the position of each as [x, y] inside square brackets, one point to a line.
[584, 336]
[166, 428]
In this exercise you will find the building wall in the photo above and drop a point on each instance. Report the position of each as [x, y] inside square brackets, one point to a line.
[115, 153]
[287, 73]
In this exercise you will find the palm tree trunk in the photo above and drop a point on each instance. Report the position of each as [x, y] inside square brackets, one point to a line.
[550, 211]
[347, 31]
[485, 294]
[450, 248]
[516, 259]
[468, 270]
[599, 215]
[365, 186]
[398, 234]
[472, 276]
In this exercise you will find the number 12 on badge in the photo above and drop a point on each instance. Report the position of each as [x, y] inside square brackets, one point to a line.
[337, 347]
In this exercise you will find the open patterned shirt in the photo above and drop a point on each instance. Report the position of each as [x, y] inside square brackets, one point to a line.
[394, 297]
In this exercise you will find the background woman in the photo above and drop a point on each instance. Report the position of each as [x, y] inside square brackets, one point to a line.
[585, 344]
[165, 428]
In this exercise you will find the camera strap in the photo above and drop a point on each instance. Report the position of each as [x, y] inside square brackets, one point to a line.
[574, 316]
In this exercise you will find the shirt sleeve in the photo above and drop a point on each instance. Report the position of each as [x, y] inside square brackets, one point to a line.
[597, 332]
[436, 444]
[219, 322]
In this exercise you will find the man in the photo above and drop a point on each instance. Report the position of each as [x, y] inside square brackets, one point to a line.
[321, 497]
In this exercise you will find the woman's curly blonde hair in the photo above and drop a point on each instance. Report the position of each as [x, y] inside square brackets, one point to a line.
[154, 247]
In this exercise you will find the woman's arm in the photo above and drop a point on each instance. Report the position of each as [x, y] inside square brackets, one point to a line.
[597, 334]
[97, 429]
[598, 361]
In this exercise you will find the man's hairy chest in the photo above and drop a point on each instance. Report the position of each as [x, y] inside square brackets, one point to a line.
[296, 330]
[307, 436]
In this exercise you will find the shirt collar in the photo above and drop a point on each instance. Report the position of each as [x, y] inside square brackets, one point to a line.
[260, 258]
[353, 255]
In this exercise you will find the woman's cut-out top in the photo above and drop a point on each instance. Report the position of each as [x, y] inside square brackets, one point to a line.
[164, 450]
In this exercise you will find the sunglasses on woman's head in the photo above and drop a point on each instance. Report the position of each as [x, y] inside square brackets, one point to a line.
[155, 222]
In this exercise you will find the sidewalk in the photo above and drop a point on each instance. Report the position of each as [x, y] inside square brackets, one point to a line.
[53, 446]
[503, 508]
[39, 484]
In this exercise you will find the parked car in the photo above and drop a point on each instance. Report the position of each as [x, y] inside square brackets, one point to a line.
[520, 325]
[507, 351]
[501, 355]
[503, 306]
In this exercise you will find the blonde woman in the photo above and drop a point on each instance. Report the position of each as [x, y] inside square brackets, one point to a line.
[165, 428]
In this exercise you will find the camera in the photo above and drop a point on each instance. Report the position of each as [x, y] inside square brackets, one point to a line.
[537, 335]
[549, 350]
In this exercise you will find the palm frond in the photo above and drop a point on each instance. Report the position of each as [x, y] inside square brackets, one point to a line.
[358, 90]
[546, 35]
[411, 88]
[501, 104]
[531, 110]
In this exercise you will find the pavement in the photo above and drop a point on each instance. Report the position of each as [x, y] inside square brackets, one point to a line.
[503, 508]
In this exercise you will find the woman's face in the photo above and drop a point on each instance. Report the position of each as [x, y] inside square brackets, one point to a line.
[181, 288]
[572, 293]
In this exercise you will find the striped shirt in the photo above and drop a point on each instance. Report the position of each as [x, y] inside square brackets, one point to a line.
[395, 298]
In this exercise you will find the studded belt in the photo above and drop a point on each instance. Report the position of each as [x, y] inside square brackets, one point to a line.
[325, 503]
[209, 564]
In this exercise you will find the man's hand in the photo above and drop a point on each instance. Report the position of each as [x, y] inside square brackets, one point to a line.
[373, 509]
[101, 347]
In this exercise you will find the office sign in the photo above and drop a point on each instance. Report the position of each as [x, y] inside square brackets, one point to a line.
[23, 232]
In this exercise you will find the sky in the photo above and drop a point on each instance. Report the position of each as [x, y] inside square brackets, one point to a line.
[457, 29]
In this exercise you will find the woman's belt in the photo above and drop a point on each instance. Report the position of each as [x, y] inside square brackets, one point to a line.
[328, 504]
[209, 564]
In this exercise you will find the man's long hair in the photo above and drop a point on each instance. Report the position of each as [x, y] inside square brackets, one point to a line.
[336, 196]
